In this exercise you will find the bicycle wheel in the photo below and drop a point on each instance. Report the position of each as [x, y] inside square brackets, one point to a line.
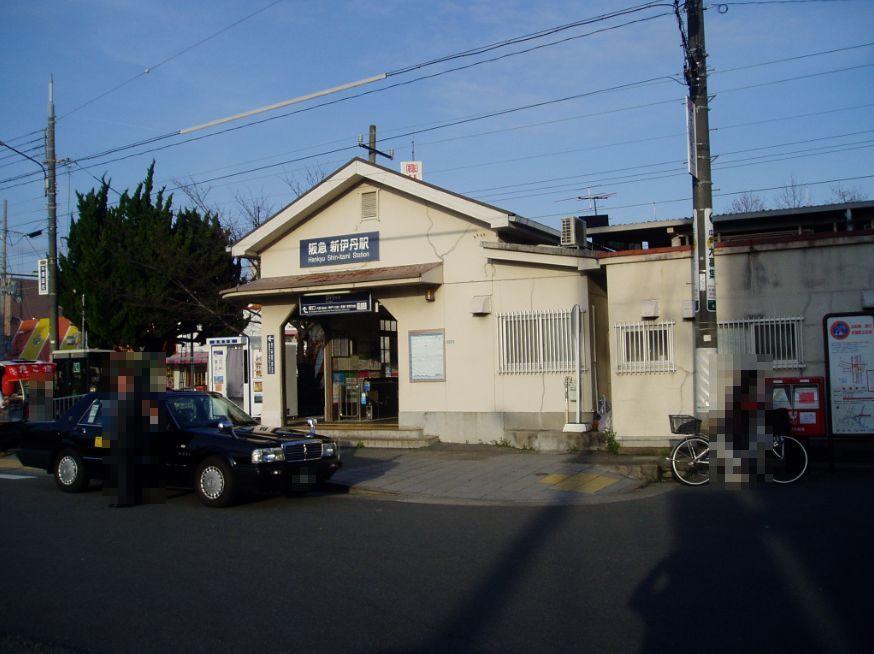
[787, 461]
[690, 461]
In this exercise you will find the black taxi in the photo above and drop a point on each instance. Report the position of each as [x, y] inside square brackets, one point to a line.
[204, 442]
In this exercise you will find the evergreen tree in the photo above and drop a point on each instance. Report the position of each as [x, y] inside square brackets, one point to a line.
[148, 275]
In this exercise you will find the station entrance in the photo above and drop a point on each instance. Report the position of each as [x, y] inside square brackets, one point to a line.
[346, 367]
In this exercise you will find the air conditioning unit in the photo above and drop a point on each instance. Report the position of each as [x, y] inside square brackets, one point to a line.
[573, 232]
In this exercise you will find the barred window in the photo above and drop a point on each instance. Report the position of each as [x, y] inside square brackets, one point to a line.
[538, 341]
[780, 338]
[645, 346]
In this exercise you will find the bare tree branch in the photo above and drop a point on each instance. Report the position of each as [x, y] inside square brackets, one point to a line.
[300, 184]
[747, 203]
[794, 195]
[842, 195]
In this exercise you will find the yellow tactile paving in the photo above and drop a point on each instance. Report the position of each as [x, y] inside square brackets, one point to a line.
[553, 478]
[583, 482]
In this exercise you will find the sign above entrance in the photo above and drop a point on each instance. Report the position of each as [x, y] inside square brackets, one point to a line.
[333, 250]
[323, 305]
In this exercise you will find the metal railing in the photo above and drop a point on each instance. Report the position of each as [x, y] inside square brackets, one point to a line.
[645, 346]
[538, 341]
[60, 405]
[780, 338]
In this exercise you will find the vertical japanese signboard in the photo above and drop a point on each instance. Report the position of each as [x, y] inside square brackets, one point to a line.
[710, 260]
[271, 354]
[692, 144]
[849, 342]
[43, 276]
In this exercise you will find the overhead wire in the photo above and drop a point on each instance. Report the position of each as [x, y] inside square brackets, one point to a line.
[149, 69]
[171, 134]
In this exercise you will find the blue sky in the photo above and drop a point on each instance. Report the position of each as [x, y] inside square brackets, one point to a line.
[533, 162]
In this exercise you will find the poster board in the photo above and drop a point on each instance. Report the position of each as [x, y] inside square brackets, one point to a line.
[849, 350]
[427, 355]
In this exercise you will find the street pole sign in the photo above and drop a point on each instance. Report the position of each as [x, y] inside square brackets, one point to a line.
[43, 276]
[691, 142]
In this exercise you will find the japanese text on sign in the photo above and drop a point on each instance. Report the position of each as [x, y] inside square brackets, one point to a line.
[333, 250]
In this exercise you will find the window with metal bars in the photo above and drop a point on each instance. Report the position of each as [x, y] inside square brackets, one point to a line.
[779, 338]
[645, 346]
[538, 341]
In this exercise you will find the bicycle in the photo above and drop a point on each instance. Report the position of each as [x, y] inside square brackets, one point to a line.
[785, 462]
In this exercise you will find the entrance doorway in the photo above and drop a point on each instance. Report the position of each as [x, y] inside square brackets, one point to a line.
[347, 367]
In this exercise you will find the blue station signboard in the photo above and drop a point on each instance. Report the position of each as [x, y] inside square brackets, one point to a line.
[334, 250]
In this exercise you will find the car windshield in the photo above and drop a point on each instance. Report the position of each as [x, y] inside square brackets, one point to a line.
[206, 411]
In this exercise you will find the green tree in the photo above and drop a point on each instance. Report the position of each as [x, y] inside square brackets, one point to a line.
[148, 274]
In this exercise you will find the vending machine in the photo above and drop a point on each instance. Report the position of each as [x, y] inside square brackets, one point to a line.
[235, 371]
[803, 397]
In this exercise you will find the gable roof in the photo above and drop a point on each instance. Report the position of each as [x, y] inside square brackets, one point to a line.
[358, 170]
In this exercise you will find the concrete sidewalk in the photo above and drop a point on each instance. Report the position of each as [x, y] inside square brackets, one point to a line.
[489, 474]
[480, 474]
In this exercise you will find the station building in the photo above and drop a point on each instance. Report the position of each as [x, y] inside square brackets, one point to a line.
[428, 315]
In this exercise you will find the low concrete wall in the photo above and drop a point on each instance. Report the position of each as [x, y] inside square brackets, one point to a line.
[484, 427]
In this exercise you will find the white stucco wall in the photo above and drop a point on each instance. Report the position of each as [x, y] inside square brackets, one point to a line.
[800, 278]
[475, 402]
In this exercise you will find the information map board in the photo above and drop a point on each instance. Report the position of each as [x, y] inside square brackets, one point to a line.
[849, 348]
[427, 356]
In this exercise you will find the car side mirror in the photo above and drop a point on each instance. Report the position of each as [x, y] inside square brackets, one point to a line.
[225, 425]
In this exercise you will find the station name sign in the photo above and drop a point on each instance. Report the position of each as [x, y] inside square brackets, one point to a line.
[333, 250]
[321, 305]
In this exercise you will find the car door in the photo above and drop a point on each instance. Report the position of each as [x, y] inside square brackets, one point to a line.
[89, 438]
[176, 445]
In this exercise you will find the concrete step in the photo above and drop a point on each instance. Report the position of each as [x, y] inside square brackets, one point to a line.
[550, 440]
[392, 438]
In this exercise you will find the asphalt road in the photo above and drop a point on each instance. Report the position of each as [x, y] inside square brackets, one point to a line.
[771, 569]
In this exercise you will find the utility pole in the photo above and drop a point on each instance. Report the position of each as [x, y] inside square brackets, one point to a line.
[371, 147]
[51, 189]
[3, 287]
[704, 268]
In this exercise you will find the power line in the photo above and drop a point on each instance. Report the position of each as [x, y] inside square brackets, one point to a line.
[460, 121]
[148, 69]
[788, 59]
[723, 194]
[653, 80]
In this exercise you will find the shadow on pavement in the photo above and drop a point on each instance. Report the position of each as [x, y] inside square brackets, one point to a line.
[767, 568]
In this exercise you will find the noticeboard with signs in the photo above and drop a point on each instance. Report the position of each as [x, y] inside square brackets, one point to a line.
[427, 356]
[849, 349]
[335, 250]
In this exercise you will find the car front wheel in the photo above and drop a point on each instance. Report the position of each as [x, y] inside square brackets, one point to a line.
[214, 482]
[69, 472]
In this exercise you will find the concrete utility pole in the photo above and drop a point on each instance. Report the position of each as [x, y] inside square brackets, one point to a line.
[371, 147]
[3, 288]
[702, 201]
[51, 190]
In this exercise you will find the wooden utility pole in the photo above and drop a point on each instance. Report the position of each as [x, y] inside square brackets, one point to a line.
[372, 151]
[703, 253]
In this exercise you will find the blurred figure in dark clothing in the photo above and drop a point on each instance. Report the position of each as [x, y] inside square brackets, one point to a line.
[131, 420]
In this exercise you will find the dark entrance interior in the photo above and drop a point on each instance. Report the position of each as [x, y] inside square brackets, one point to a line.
[347, 367]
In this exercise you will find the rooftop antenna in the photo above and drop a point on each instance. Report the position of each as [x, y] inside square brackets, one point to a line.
[594, 197]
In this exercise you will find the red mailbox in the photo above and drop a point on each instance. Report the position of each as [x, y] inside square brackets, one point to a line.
[805, 399]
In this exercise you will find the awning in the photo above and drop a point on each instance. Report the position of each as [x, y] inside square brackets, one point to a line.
[184, 359]
[425, 274]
